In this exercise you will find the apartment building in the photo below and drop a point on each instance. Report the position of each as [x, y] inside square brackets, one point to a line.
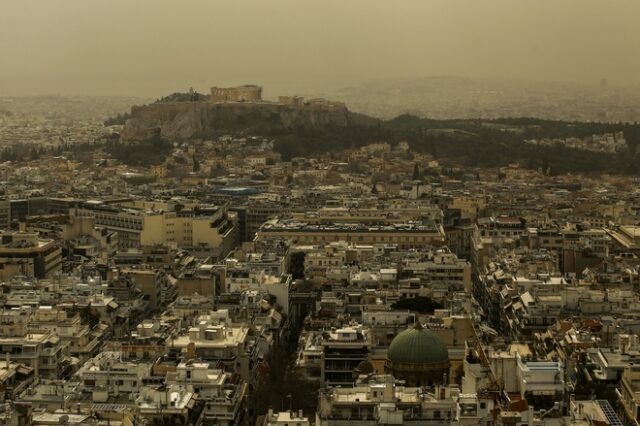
[205, 230]
[171, 405]
[214, 341]
[223, 398]
[27, 254]
[343, 350]
[107, 377]
[441, 270]
[629, 396]
[5, 214]
[383, 401]
[44, 352]
[404, 235]
[82, 342]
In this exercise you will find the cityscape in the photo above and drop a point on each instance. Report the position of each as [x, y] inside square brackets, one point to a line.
[438, 250]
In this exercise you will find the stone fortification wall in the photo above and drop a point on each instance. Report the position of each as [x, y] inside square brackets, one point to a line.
[176, 121]
[247, 93]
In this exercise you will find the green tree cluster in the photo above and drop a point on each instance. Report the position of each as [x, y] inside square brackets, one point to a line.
[420, 304]
[152, 151]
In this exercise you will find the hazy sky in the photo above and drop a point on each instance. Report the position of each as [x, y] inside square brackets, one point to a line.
[153, 47]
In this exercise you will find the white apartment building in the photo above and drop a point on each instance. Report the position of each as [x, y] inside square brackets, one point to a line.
[223, 399]
[383, 401]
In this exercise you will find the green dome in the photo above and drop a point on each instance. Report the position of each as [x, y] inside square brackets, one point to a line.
[417, 346]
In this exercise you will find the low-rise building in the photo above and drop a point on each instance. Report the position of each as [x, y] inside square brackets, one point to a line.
[44, 352]
[405, 235]
[383, 401]
[107, 377]
[343, 350]
[226, 345]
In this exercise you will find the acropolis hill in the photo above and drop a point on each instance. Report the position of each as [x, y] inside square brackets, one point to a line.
[235, 109]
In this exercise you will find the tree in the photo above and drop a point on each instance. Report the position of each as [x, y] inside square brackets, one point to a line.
[356, 167]
[545, 164]
[34, 153]
[416, 172]
[7, 155]
[280, 386]
[119, 119]
[196, 164]
[296, 265]
[420, 304]
[144, 153]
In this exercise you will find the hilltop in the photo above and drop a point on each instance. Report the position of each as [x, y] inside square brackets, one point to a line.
[317, 127]
[183, 120]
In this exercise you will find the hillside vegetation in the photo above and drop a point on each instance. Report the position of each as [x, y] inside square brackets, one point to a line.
[146, 153]
[486, 143]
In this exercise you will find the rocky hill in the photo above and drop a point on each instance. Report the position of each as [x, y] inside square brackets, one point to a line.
[175, 121]
[322, 127]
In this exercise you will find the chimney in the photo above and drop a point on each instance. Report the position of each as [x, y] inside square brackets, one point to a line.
[300, 414]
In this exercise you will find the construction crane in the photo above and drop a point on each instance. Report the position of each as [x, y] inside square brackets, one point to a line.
[494, 386]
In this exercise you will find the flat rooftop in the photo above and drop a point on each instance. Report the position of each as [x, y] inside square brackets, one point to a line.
[287, 226]
[235, 338]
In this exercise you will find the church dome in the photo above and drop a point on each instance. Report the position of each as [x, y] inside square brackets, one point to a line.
[417, 346]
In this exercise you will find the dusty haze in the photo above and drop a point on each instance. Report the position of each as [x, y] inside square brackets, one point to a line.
[152, 47]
